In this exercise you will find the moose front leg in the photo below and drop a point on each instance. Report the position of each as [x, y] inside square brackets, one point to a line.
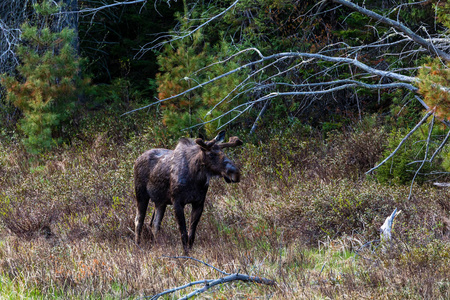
[179, 215]
[197, 210]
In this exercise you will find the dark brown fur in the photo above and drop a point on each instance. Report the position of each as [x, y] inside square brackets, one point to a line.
[179, 177]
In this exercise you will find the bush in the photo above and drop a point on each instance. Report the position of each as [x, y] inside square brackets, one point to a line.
[401, 168]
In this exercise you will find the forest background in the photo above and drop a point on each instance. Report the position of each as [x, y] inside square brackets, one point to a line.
[321, 92]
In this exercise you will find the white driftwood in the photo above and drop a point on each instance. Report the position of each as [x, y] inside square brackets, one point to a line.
[442, 184]
[386, 228]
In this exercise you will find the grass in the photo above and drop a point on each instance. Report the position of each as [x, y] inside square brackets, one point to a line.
[303, 215]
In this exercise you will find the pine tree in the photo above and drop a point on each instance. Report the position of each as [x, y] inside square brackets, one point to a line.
[47, 83]
[175, 65]
[179, 65]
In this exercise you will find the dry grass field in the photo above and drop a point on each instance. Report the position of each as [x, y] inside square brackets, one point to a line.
[303, 215]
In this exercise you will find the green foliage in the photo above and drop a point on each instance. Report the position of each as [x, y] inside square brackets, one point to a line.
[443, 13]
[48, 81]
[115, 96]
[405, 110]
[400, 169]
[178, 66]
[354, 33]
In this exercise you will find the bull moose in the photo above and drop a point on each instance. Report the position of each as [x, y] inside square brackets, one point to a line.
[179, 177]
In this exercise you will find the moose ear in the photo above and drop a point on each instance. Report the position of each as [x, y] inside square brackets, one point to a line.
[220, 137]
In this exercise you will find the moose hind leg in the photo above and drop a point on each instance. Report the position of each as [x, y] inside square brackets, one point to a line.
[157, 217]
[197, 210]
[142, 199]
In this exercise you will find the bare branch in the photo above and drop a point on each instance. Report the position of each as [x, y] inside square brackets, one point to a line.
[430, 130]
[438, 150]
[9, 39]
[178, 288]
[189, 33]
[261, 113]
[440, 147]
[229, 278]
[267, 97]
[95, 10]
[209, 283]
[399, 26]
[297, 55]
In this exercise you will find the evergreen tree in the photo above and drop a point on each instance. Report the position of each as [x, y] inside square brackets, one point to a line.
[185, 63]
[47, 82]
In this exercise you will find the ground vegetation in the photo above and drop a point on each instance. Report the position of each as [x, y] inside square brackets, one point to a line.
[342, 107]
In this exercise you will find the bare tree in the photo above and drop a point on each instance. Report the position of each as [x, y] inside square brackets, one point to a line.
[14, 13]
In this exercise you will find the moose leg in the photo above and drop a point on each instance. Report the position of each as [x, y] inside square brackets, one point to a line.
[157, 217]
[197, 210]
[142, 199]
[179, 215]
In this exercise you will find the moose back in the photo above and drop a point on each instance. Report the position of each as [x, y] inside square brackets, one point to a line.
[179, 177]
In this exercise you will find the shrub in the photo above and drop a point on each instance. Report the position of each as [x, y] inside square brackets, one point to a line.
[401, 168]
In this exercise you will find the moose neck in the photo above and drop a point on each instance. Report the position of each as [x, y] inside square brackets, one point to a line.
[197, 166]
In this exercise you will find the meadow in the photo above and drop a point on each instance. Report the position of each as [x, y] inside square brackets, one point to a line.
[304, 215]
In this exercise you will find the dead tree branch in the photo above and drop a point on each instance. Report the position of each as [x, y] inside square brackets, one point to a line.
[94, 10]
[174, 38]
[209, 283]
[299, 55]
[399, 26]
[430, 130]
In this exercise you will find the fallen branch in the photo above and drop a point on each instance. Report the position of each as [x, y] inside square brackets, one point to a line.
[299, 55]
[209, 283]
[399, 26]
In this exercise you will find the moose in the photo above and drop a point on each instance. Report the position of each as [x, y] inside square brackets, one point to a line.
[179, 177]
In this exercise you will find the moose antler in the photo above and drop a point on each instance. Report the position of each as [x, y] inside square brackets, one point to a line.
[208, 145]
[205, 145]
[234, 141]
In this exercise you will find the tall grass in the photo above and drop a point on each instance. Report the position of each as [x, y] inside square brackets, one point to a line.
[304, 215]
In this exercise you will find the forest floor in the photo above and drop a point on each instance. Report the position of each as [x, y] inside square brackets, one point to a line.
[303, 215]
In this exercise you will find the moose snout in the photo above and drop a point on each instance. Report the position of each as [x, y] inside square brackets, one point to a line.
[232, 174]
